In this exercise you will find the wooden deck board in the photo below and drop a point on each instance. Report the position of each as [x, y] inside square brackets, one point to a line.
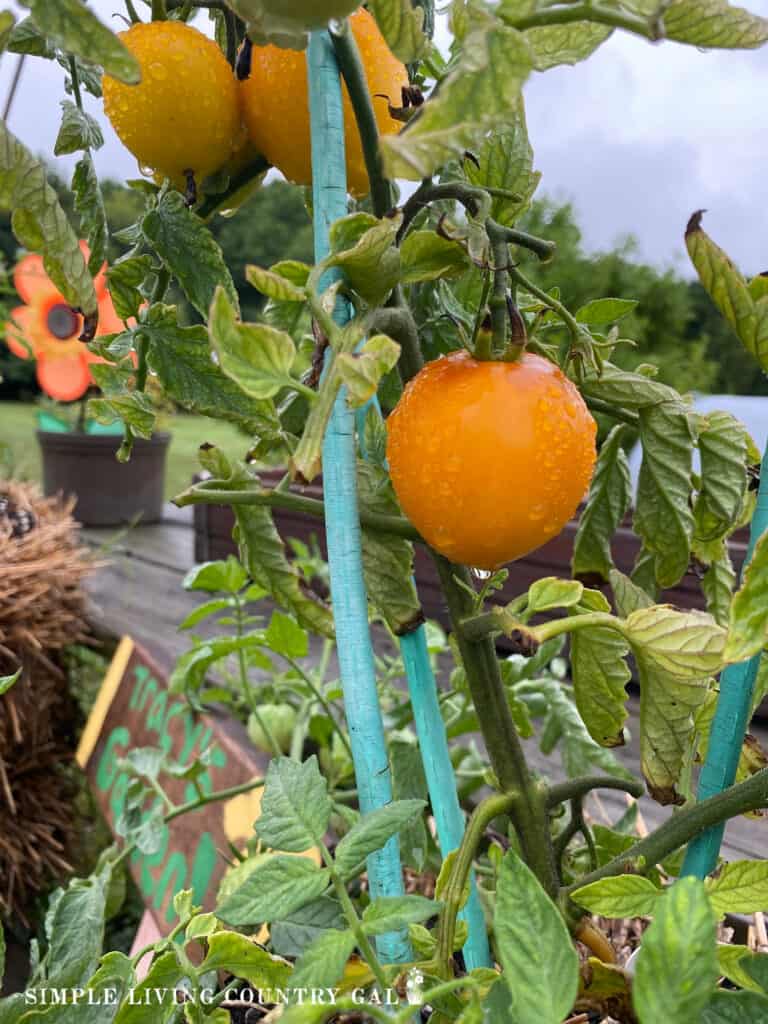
[140, 592]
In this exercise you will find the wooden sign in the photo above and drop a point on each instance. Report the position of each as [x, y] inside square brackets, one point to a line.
[134, 709]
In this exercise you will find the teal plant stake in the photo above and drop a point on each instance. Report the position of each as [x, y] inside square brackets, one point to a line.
[441, 782]
[438, 769]
[737, 684]
[350, 602]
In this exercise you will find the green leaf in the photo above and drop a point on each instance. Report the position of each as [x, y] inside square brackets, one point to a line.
[322, 963]
[409, 783]
[551, 592]
[40, 223]
[735, 1008]
[688, 644]
[6, 682]
[272, 284]
[627, 595]
[125, 278]
[228, 576]
[426, 256]
[165, 974]
[263, 553]
[89, 206]
[362, 372]
[99, 1003]
[401, 24]
[732, 961]
[722, 441]
[79, 130]
[714, 23]
[228, 951]
[505, 161]
[371, 833]
[291, 935]
[181, 358]
[677, 965]
[372, 264]
[717, 585]
[295, 807]
[534, 947]
[256, 357]
[136, 410]
[7, 23]
[622, 896]
[663, 517]
[189, 251]
[387, 560]
[627, 390]
[285, 636]
[667, 724]
[609, 496]
[565, 44]
[76, 30]
[729, 291]
[481, 92]
[748, 623]
[27, 38]
[76, 929]
[602, 312]
[600, 674]
[277, 888]
[390, 913]
[579, 751]
[741, 887]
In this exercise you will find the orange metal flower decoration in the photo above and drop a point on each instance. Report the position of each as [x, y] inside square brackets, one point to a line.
[47, 330]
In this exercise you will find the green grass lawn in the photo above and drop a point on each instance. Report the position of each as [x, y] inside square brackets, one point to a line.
[18, 425]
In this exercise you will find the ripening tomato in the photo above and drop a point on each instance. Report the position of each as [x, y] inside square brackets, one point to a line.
[184, 115]
[276, 104]
[490, 459]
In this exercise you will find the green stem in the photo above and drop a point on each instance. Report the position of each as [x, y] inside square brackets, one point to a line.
[498, 302]
[320, 697]
[492, 807]
[245, 683]
[232, 41]
[679, 829]
[398, 323]
[503, 620]
[472, 198]
[213, 492]
[498, 728]
[590, 11]
[573, 789]
[555, 305]
[75, 83]
[542, 247]
[353, 72]
[212, 798]
[132, 15]
[159, 10]
[624, 415]
[353, 920]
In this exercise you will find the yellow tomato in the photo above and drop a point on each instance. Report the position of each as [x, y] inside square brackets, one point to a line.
[184, 115]
[276, 104]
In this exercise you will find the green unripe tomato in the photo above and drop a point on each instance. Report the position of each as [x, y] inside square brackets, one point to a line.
[280, 720]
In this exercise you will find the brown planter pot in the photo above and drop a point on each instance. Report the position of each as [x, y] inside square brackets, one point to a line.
[108, 492]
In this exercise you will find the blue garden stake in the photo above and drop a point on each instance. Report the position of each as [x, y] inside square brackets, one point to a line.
[737, 684]
[350, 602]
[438, 769]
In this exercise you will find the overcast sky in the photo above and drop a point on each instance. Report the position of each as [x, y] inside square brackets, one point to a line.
[637, 137]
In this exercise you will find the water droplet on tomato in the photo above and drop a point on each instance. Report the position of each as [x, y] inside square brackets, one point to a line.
[158, 70]
[536, 513]
[481, 574]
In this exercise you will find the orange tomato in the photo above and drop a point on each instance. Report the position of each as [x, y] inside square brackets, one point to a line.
[490, 460]
[276, 105]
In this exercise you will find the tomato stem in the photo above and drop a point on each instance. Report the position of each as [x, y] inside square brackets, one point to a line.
[498, 302]
[159, 11]
[353, 73]
[650, 28]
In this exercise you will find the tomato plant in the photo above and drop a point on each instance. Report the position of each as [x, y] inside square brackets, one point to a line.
[486, 453]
